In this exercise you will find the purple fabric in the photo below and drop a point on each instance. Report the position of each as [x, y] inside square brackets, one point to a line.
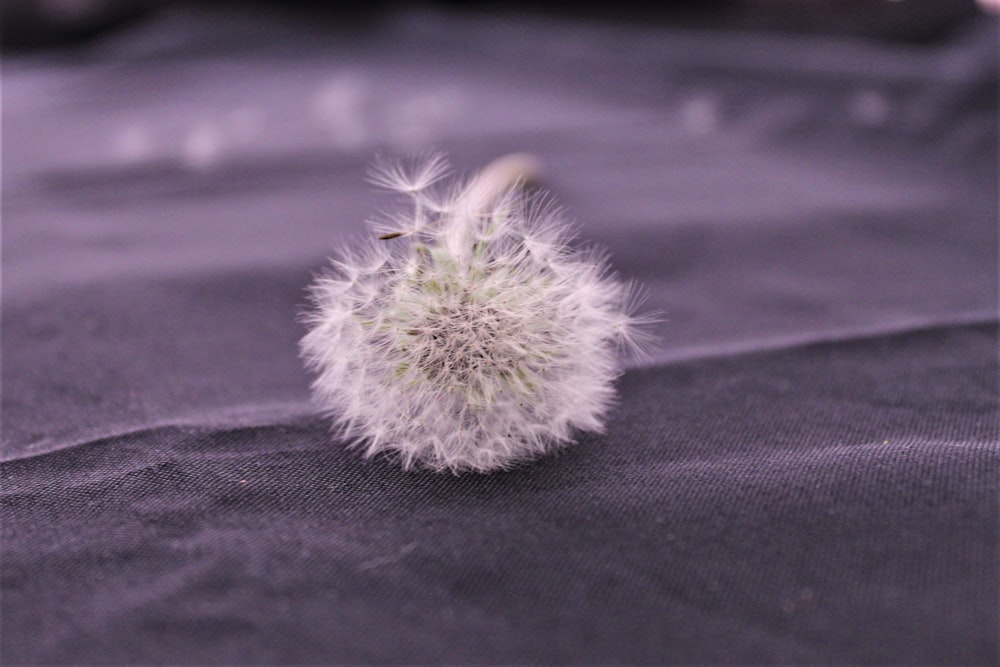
[806, 470]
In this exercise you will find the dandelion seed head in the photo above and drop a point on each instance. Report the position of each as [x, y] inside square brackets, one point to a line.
[472, 337]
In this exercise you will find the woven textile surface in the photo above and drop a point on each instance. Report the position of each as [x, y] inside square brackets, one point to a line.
[805, 470]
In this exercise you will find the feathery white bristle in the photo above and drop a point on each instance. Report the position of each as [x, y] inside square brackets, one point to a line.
[473, 336]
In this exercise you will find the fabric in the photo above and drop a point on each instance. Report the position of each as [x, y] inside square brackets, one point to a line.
[806, 470]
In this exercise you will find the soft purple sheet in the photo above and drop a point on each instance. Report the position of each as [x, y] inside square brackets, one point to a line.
[806, 471]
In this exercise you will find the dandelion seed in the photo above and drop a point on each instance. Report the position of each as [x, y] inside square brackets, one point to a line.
[473, 336]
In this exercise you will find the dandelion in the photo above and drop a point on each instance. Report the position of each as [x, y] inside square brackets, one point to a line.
[468, 333]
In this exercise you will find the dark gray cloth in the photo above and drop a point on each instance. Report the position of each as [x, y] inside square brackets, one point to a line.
[805, 471]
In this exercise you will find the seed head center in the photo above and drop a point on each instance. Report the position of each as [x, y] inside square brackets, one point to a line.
[468, 344]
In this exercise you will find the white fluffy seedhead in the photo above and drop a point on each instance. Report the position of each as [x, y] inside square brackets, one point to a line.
[469, 335]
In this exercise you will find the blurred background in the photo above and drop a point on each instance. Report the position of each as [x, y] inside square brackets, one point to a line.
[772, 170]
[38, 23]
